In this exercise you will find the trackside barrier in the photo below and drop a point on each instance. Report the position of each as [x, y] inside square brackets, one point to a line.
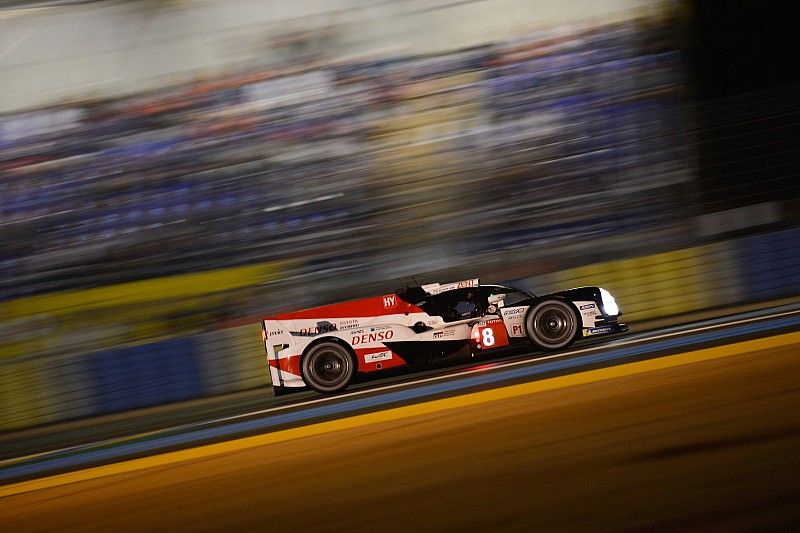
[84, 320]
[50, 388]
[146, 375]
[665, 284]
[771, 264]
[26, 399]
[38, 391]
[232, 359]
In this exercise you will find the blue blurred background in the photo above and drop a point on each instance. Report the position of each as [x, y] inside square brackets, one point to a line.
[169, 171]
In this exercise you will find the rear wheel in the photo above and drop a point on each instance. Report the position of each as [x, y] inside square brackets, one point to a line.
[328, 367]
[552, 324]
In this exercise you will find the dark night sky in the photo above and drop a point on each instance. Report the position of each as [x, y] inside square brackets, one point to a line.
[744, 59]
[742, 46]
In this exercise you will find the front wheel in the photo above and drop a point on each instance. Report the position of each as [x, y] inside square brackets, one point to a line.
[552, 325]
[328, 367]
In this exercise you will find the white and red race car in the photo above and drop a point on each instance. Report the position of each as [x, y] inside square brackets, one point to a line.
[324, 347]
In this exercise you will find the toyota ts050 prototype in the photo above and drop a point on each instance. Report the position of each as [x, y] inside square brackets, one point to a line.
[325, 347]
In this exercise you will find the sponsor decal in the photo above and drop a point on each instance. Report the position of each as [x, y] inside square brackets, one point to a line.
[379, 328]
[327, 327]
[357, 332]
[389, 301]
[514, 311]
[275, 332]
[598, 331]
[445, 333]
[316, 330]
[588, 306]
[378, 336]
[492, 334]
[377, 356]
[437, 288]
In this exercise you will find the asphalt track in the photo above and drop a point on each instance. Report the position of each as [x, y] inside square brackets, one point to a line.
[708, 439]
[38, 453]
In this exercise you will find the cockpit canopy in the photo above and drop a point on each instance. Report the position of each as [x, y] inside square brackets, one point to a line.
[461, 300]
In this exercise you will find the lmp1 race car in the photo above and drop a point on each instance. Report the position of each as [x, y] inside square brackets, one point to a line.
[324, 347]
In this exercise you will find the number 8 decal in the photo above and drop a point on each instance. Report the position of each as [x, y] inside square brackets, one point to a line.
[488, 337]
[489, 334]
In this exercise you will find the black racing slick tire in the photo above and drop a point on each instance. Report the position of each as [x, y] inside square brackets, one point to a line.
[328, 367]
[552, 324]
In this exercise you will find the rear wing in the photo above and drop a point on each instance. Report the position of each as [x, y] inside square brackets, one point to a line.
[419, 293]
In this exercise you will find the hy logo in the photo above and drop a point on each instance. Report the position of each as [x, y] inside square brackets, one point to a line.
[389, 301]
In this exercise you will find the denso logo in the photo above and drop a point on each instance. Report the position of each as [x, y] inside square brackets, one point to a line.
[372, 337]
[322, 328]
[389, 301]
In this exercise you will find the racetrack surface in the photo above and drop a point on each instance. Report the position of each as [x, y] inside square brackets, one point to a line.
[709, 443]
[530, 370]
[47, 450]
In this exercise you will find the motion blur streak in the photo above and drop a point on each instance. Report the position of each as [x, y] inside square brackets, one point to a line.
[170, 171]
[713, 442]
[406, 412]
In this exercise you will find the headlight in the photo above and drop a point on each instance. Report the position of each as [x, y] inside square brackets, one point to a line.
[609, 304]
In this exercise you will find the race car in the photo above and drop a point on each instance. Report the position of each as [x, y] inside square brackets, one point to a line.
[325, 347]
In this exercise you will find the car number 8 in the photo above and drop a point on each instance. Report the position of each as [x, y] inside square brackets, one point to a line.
[488, 337]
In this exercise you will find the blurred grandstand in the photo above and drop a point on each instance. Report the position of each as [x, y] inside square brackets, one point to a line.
[372, 167]
[188, 209]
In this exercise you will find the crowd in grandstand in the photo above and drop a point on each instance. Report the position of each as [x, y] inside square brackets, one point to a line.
[368, 168]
